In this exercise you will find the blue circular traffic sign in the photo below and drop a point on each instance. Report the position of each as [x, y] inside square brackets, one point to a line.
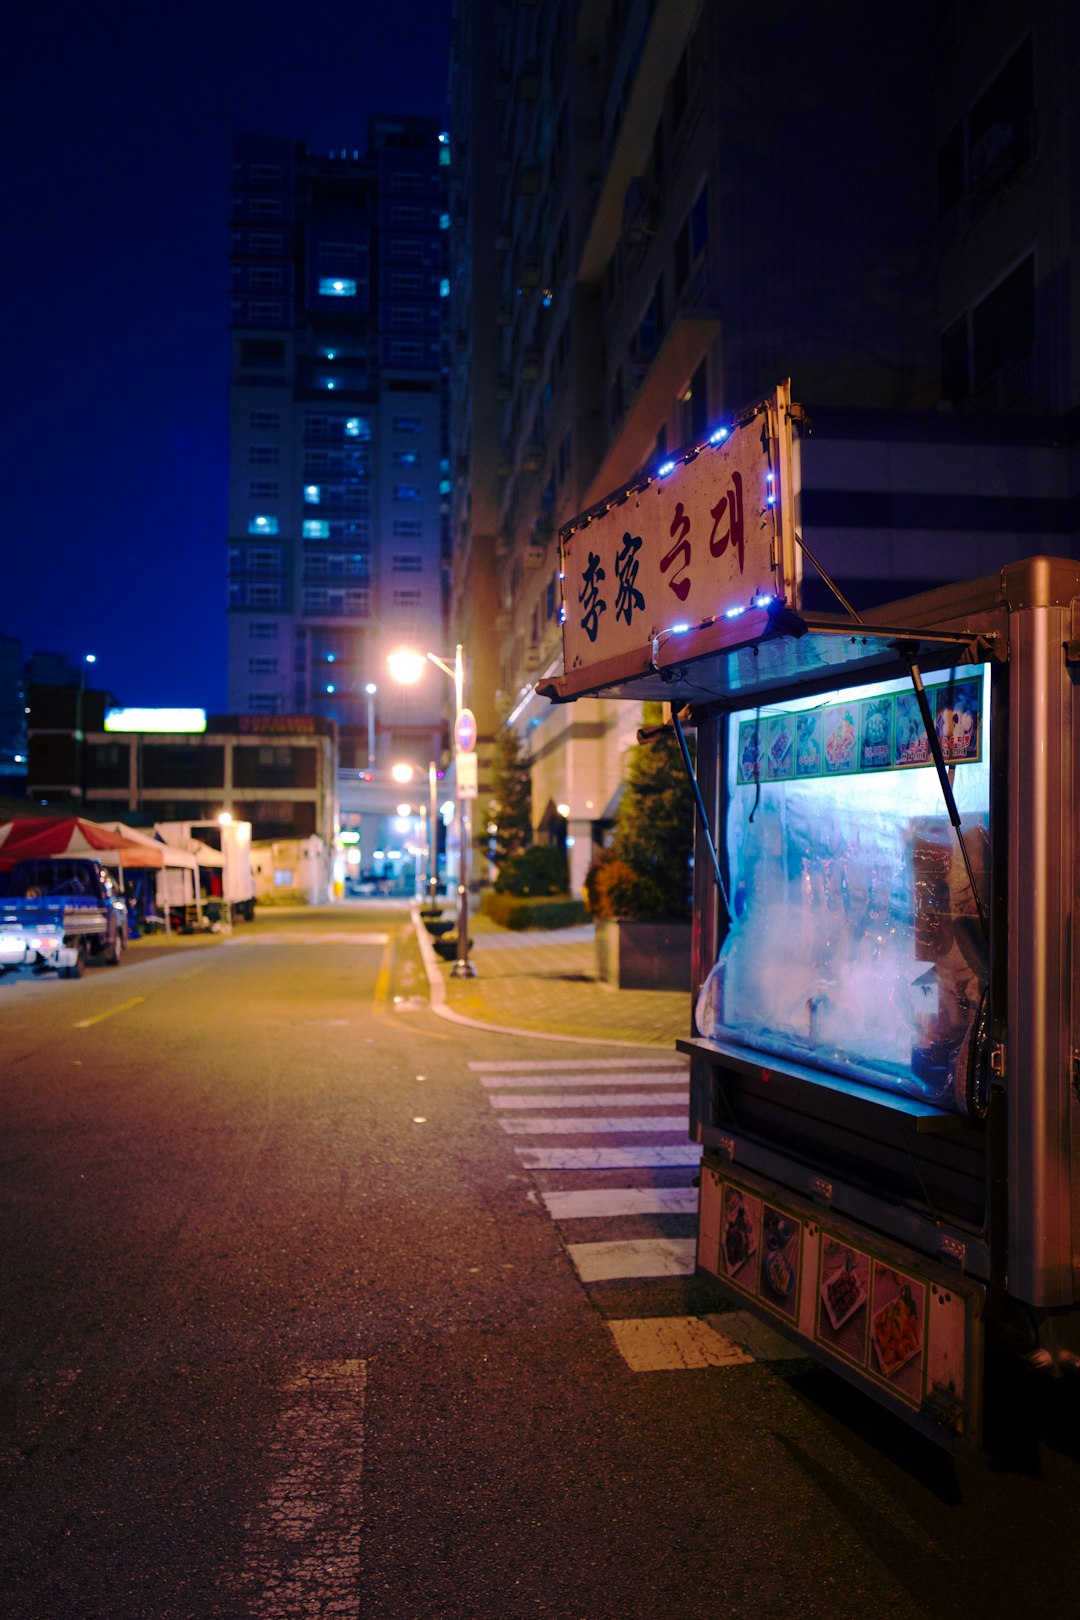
[465, 731]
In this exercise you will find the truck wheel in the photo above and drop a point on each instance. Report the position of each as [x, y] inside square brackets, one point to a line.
[75, 971]
[114, 953]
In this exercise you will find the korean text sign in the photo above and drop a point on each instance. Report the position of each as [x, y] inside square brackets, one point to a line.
[685, 548]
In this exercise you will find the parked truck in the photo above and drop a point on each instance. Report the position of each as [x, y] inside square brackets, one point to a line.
[57, 913]
[885, 1047]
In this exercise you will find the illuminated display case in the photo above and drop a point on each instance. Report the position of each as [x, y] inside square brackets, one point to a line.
[856, 944]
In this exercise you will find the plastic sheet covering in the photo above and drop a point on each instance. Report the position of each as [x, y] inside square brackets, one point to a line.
[856, 945]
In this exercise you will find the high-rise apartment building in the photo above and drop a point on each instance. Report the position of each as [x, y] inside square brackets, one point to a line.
[695, 201]
[337, 459]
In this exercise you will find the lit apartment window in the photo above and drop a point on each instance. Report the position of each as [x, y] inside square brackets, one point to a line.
[406, 458]
[406, 492]
[407, 424]
[316, 529]
[357, 427]
[337, 287]
[262, 524]
[312, 494]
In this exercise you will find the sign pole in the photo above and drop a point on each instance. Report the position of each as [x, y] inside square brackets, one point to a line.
[462, 968]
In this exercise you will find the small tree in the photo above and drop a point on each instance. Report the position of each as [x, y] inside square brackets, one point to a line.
[511, 807]
[646, 875]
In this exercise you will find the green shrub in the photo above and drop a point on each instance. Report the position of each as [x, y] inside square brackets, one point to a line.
[539, 870]
[518, 912]
[616, 890]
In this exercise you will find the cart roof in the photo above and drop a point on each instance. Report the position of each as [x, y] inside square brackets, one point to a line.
[771, 648]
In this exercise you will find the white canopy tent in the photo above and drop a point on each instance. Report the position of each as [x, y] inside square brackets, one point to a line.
[174, 887]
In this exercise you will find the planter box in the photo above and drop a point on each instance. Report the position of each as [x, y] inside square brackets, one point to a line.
[644, 955]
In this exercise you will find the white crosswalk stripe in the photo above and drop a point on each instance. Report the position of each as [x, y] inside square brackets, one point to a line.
[633, 1257]
[645, 1157]
[535, 1102]
[616, 1082]
[603, 1203]
[561, 1064]
[594, 1125]
[585, 1099]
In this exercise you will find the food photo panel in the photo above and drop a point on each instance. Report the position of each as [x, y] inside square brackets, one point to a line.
[780, 1261]
[897, 1330]
[843, 1294]
[740, 1237]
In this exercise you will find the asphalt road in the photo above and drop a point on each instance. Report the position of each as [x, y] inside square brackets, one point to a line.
[290, 1329]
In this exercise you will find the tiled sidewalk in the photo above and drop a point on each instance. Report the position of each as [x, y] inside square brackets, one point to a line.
[547, 982]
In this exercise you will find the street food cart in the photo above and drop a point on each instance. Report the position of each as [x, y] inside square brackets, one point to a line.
[885, 1052]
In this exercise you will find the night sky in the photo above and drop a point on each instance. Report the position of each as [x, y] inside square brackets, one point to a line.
[117, 126]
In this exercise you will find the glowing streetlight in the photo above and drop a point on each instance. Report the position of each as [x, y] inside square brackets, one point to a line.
[407, 665]
[371, 689]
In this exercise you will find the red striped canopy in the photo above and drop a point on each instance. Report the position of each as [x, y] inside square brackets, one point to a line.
[43, 837]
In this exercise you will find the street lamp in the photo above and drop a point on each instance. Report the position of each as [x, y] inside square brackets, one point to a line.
[371, 689]
[407, 666]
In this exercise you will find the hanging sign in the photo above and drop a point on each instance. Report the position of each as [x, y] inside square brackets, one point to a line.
[707, 536]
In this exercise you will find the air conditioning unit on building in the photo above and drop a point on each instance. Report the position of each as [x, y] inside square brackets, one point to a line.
[533, 556]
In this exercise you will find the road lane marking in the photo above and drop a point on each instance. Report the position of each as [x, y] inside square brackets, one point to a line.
[584, 1099]
[303, 936]
[301, 1547]
[591, 1125]
[622, 1258]
[380, 1000]
[99, 1018]
[642, 1157]
[673, 1344]
[618, 1082]
[574, 1063]
[603, 1203]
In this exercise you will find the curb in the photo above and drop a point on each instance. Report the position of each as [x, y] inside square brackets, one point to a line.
[437, 988]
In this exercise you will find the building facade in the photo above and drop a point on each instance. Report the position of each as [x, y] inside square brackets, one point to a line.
[337, 460]
[695, 202]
